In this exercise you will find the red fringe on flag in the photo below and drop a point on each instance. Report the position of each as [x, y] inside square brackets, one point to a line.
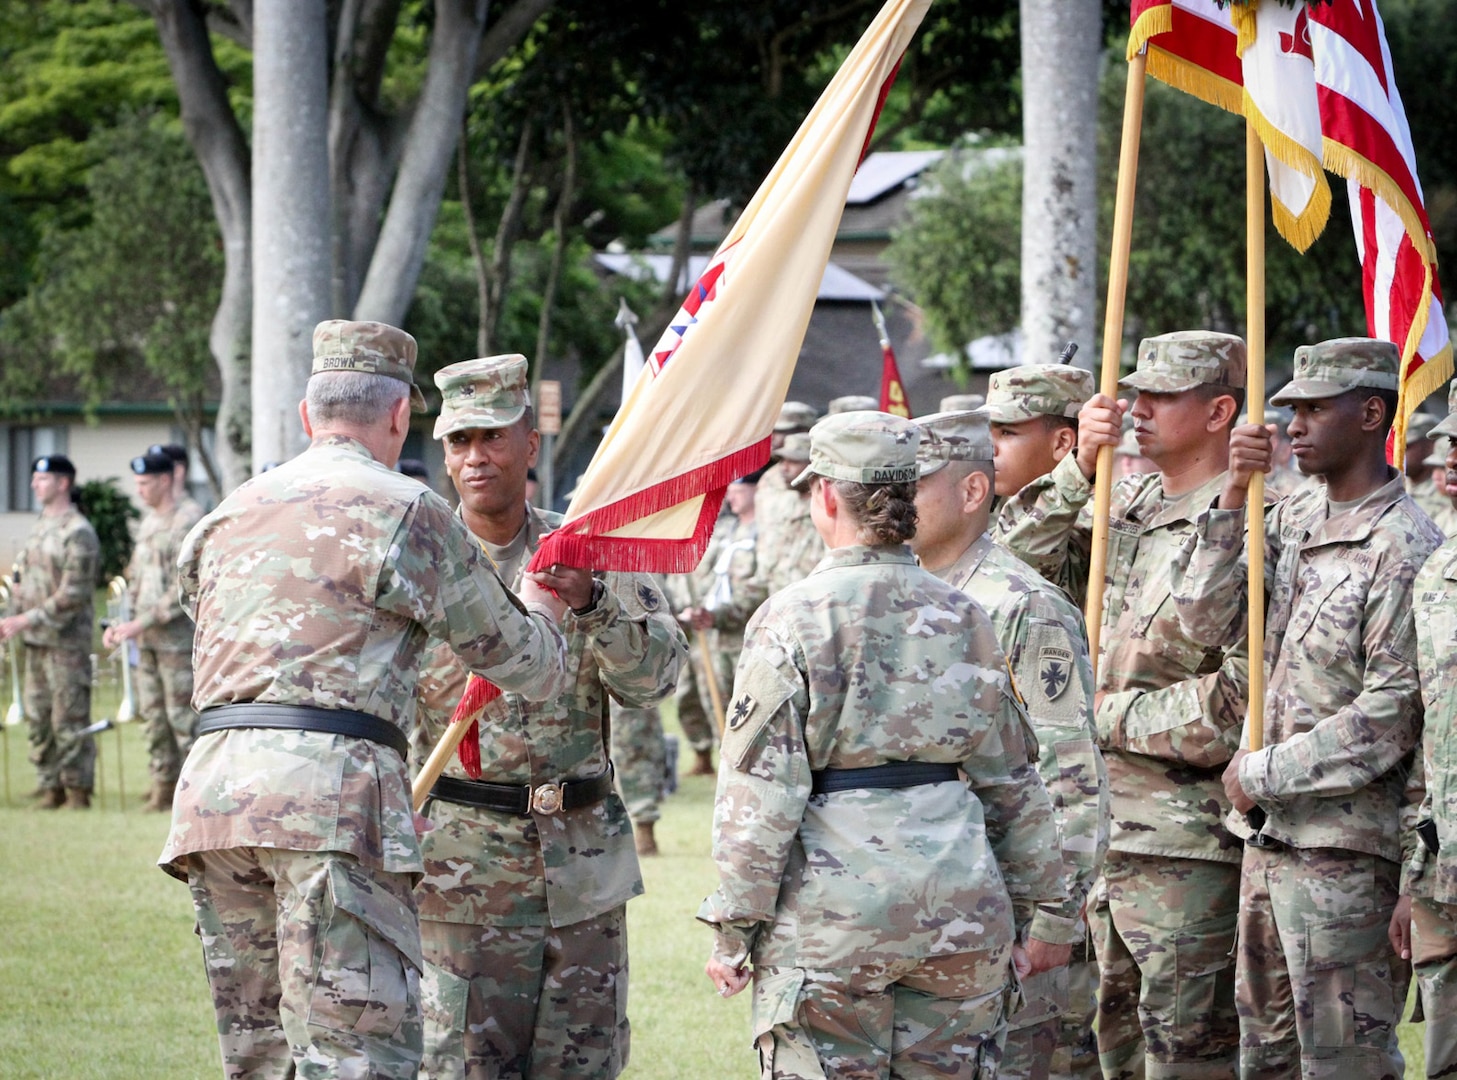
[478, 694]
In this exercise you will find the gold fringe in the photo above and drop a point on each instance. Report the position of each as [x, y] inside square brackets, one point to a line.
[1154, 21]
[1246, 25]
[1195, 80]
[1299, 230]
[1341, 159]
[1428, 379]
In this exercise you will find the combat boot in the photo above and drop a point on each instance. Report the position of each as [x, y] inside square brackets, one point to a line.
[160, 800]
[50, 799]
[150, 797]
[78, 798]
[702, 763]
[643, 839]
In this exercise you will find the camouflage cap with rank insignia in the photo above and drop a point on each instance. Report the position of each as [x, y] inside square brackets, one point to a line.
[952, 436]
[1448, 427]
[1032, 390]
[489, 392]
[863, 447]
[372, 347]
[796, 447]
[1173, 363]
[851, 403]
[795, 416]
[1329, 368]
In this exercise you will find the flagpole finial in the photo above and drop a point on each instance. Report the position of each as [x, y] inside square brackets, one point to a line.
[625, 315]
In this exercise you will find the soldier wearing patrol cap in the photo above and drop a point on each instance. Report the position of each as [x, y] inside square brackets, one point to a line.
[52, 612]
[774, 500]
[1168, 710]
[961, 402]
[1343, 715]
[1424, 482]
[1033, 411]
[851, 403]
[161, 628]
[315, 587]
[1042, 635]
[1430, 879]
[874, 791]
[789, 548]
[530, 864]
[1444, 478]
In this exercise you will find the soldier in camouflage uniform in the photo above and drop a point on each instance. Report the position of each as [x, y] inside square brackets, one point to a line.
[523, 904]
[1168, 710]
[1319, 992]
[795, 417]
[852, 854]
[1443, 461]
[162, 629]
[1431, 878]
[315, 587]
[1042, 635]
[52, 601]
[789, 547]
[639, 753]
[1033, 412]
[1425, 481]
[187, 506]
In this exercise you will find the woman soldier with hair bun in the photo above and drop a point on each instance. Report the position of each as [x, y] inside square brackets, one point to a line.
[881, 833]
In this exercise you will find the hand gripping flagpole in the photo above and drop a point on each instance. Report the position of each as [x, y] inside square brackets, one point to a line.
[1113, 339]
[1255, 396]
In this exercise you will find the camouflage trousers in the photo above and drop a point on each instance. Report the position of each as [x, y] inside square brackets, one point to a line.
[1434, 954]
[314, 964]
[526, 1001]
[639, 757]
[164, 702]
[1320, 992]
[695, 708]
[1165, 937]
[58, 706]
[1051, 1036]
[944, 1018]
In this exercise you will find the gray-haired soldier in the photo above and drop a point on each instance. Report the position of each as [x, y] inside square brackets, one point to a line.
[1042, 635]
[882, 838]
[315, 587]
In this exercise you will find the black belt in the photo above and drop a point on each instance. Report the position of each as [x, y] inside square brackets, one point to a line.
[524, 799]
[895, 774]
[1427, 831]
[357, 725]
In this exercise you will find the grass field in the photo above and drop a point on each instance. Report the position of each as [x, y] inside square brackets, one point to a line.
[101, 974]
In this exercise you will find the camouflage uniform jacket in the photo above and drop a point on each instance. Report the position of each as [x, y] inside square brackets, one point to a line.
[152, 579]
[1434, 608]
[1172, 708]
[58, 572]
[483, 867]
[319, 583]
[1343, 708]
[729, 588]
[1042, 635]
[789, 546]
[872, 660]
[1437, 504]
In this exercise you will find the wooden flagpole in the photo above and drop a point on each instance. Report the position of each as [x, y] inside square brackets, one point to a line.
[436, 762]
[1255, 398]
[1113, 338]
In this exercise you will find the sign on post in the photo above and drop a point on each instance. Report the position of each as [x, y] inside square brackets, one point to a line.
[549, 407]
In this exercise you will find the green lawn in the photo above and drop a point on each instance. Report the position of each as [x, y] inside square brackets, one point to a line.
[101, 974]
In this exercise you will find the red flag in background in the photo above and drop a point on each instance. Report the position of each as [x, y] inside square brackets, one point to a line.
[701, 413]
[892, 390]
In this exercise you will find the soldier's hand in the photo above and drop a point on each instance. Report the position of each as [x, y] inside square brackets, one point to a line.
[12, 625]
[700, 618]
[1100, 423]
[115, 635]
[1251, 451]
[1044, 955]
[533, 592]
[728, 981]
[1399, 932]
[1021, 962]
[571, 583]
[1232, 787]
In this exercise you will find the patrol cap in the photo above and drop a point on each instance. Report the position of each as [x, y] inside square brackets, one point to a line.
[489, 392]
[1419, 427]
[795, 416]
[59, 464]
[953, 436]
[961, 403]
[1441, 447]
[1332, 367]
[796, 447]
[852, 403]
[1173, 363]
[1021, 393]
[1448, 426]
[373, 347]
[863, 447]
[150, 464]
[175, 451]
[1128, 445]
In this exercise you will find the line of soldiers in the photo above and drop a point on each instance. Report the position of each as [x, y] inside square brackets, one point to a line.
[1256, 910]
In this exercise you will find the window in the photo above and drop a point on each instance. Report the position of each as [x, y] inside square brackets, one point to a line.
[23, 446]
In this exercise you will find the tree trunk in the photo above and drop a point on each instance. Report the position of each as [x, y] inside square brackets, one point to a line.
[394, 269]
[1060, 55]
[499, 276]
[217, 139]
[291, 274]
[473, 238]
[558, 247]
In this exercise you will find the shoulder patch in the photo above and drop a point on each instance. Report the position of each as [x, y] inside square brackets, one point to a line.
[760, 690]
[1054, 670]
[739, 711]
[648, 597]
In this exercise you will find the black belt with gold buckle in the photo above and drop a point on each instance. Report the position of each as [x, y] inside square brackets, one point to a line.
[525, 799]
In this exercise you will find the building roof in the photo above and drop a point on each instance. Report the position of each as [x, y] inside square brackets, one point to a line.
[837, 283]
[882, 173]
